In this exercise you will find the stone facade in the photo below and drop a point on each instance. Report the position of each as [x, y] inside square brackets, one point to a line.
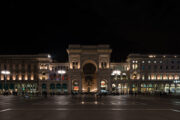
[89, 69]
[94, 56]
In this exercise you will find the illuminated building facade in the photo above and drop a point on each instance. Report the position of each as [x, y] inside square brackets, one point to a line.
[89, 69]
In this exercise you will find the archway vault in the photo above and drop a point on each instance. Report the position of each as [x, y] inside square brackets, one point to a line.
[89, 76]
[90, 61]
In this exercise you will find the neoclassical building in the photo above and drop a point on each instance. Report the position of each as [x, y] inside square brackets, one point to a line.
[89, 69]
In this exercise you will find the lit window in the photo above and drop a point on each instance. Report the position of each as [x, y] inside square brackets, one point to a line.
[171, 77]
[152, 56]
[143, 77]
[103, 65]
[134, 76]
[103, 84]
[113, 85]
[165, 77]
[75, 65]
[14, 77]
[153, 77]
[159, 77]
[176, 77]
[134, 66]
[123, 73]
[20, 77]
[26, 77]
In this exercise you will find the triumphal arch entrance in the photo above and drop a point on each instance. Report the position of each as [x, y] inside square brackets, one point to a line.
[89, 65]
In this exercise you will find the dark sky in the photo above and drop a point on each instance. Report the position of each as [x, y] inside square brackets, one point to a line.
[129, 26]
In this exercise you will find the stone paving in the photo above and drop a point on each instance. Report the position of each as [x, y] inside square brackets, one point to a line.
[89, 107]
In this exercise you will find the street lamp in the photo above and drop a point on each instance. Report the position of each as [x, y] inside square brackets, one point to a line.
[116, 73]
[61, 72]
[5, 73]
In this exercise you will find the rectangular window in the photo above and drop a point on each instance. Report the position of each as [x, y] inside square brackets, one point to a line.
[166, 67]
[75, 65]
[103, 65]
[153, 77]
[5, 66]
[172, 67]
[155, 67]
[149, 77]
[134, 66]
[178, 67]
[143, 67]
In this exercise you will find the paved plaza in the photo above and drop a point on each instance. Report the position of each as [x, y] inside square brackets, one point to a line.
[89, 107]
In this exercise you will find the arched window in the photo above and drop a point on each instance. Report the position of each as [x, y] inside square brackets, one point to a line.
[113, 87]
[103, 86]
[75, 85]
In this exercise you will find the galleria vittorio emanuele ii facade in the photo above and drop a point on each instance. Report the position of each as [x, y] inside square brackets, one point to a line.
[90, 70]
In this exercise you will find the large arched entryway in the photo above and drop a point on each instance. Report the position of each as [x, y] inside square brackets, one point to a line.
[89, 82]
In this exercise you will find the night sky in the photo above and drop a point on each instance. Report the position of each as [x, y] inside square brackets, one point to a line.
[128, 26]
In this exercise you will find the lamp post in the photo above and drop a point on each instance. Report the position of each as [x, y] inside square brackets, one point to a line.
[61, 72]
[5, 73]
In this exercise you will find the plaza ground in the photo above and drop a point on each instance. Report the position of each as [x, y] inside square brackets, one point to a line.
[89, 107]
